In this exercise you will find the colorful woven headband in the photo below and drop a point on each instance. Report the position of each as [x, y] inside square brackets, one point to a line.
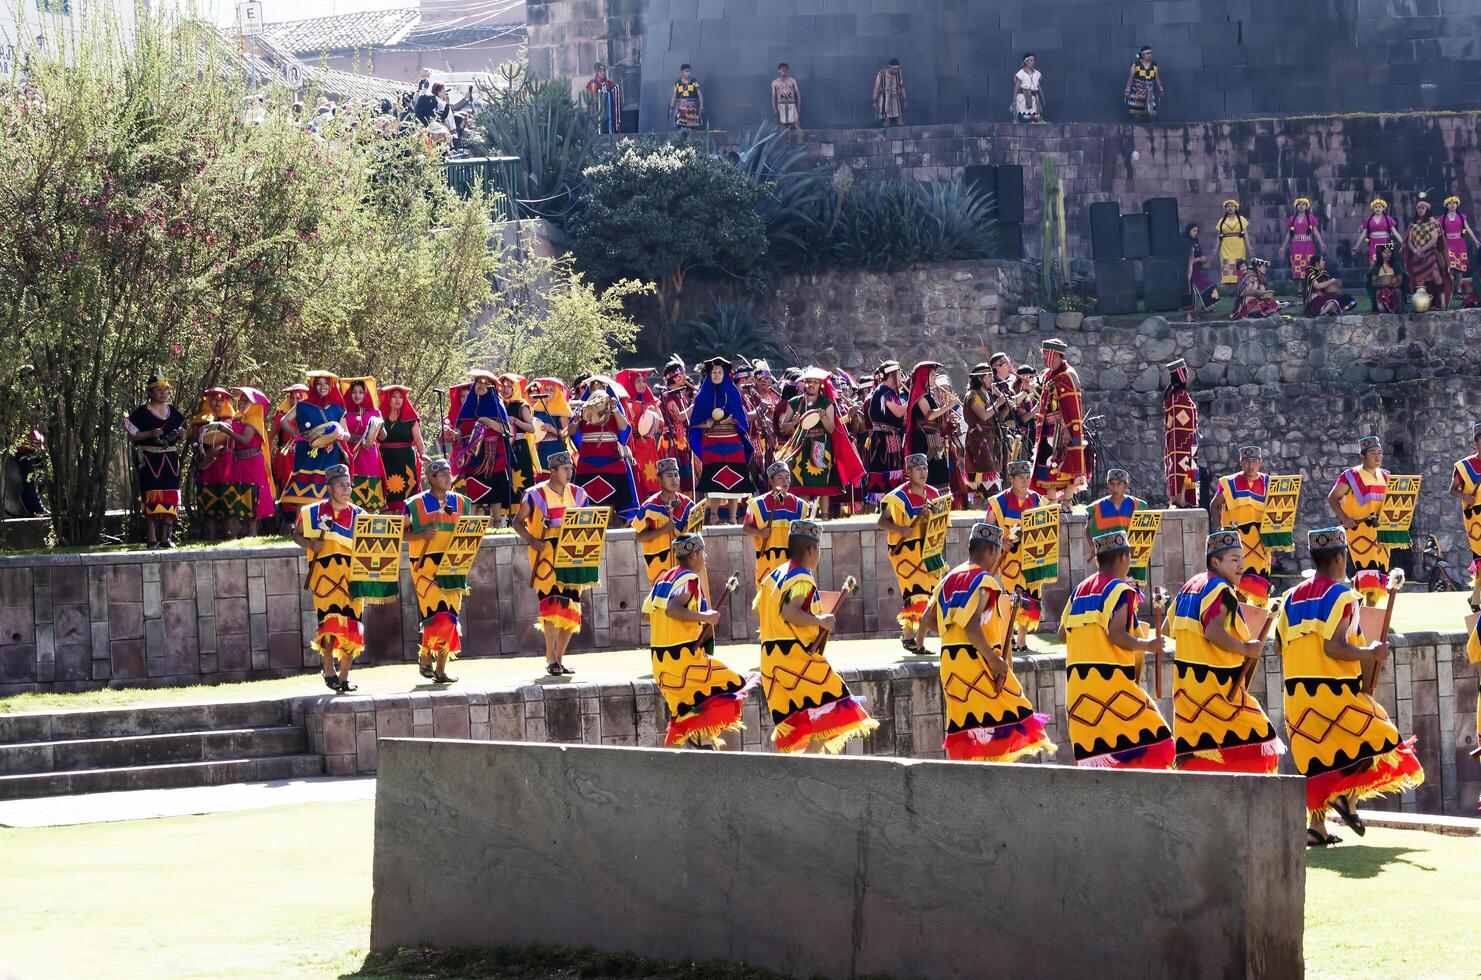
[916, 459]
[1452, 199]
[1368, 444]
[1056, 345]
[1220, 542]
[559, 459]
[1378, 202]
[1117, 473]
[687, 544]
[1020, 467]
[669, 465]
[806, 530]
[988, 534]
[1300, 201]
[1326, 539]
[436, 466]
[777, 469]
[1233, 202]
[1178, 365]
[1111, 542]
[1247, 453]
[338, 471]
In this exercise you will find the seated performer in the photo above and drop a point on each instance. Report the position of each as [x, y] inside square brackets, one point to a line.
[1113, 513]
[326, 532]
[431, 518]
[1324, 295]
[1356, 499]
[1465, 486]
[1341, 739]
[769, 518]
[1006, 511]
[704, 697]
[902, 516]
[538, 524]
[1252, 299]
[661, 519]
[1103, 655]
[988, 718]
[1219, 725]
[1239, 504]
[810, 704]
[1388, 282]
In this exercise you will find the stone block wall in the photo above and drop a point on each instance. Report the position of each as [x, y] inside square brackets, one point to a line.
[1428, 688]
[73, 622]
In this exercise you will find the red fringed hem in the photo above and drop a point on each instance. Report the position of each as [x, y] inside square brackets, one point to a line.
[1259, 759]
[912, 611]
[1370, 580]
[1392, 772]
[1475, 566]
[828, 727]
[341, 636]
[1003, 743]
[559, 614]
[717, 714]
[441, 633]
[1158, 755]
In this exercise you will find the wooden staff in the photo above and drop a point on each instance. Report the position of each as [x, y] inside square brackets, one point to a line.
[850, 587]
[1395, 583]
[1159, 600]
[1013, 605]
[1248, 673]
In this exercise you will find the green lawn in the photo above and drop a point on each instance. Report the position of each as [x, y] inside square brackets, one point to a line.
[286, 893]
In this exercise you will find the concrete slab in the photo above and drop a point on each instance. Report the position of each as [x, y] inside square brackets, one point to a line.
[58, 811]
[1449, 826]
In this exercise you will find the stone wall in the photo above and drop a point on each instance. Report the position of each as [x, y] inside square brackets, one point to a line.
[1429, 688]
[838, 867]
[72, 622]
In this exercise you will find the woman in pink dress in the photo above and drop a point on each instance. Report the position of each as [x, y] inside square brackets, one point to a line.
[1378, 228]
[252, 498]
[1457, 229]
[362, 449]
[1303, 238]
[209, 431]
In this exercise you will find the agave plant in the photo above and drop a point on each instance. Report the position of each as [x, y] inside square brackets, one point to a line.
[893, 225]
[731, 328]
[799, 192]
[541, 125]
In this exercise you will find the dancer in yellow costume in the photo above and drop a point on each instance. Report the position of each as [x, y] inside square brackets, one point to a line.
[1356, 499]
[768, 519]
[810, 704]
[1219, 726]
[538, 523]
[1006, 511]
[988, 718]
[1113, 722]
[1239, 504]
[1341, 739]
[432, 517]
[1232, 229]
[1465, 486]
[660, 521]
[704, 696]
[326, 532]
[902, 516]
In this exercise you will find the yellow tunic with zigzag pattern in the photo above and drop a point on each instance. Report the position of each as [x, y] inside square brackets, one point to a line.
[439, 597]
[916, 575]
[686, 675]
[340, 630]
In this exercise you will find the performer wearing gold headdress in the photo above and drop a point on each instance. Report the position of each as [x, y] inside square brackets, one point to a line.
[326, 532]
[1356, 499]
[1231, 228]
[1220, 727]
[810, 704]
[988, 718]
[1006, 510]
[1113, 722]
[704, 697]
[250, 496]
[1239, 504]
[769, 517]
[1465, 486]
[661, 519]
[432, 516]
[538, 523]
[902, 516]
[1341, 739]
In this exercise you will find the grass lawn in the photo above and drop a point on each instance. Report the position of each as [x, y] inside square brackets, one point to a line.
[1416, 611]
[286, 893]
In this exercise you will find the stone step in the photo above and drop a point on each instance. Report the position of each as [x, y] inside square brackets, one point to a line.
[142, 720]
[168, 776]
[147, 750]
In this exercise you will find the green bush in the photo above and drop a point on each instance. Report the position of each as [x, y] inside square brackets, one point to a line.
[892, 225]
[730, 329]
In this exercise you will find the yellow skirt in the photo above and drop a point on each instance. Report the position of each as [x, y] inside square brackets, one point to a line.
[809, 703]
[916, 584]
[704, 697]
[1113, 722]
[1220, 726]
[987, 721]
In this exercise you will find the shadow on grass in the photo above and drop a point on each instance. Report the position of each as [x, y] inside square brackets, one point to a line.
[546, 963]
[1353, 859]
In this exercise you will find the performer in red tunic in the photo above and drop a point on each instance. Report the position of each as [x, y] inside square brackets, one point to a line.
[284, 443]
[1180, 438]
[641, 406]
[678, 395]
[1059, 455]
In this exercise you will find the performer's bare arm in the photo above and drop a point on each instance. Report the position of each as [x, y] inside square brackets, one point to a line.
[684, 614]
[1455, 492]
[829, 417]
[1337, 647]
[795, 615]
[1216, 510]
[1217, 633]
[520, 523]
[885, 524]
[1120, 635]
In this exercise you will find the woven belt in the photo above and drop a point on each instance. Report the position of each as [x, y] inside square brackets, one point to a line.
[246, 453]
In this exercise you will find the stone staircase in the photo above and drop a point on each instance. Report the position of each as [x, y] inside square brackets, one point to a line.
[154, 747]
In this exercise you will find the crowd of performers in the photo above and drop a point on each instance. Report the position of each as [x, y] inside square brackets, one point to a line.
[1425, 266]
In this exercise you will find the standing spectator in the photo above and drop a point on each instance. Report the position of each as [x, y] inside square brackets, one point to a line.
[1028, 92]
[156, 428]
[786, 98]
[687, 101]
[30, 458]
[429, 104]
[210, 430]
[889, 94]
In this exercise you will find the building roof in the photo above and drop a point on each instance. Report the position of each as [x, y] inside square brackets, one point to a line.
[338, 84]
[340, 32]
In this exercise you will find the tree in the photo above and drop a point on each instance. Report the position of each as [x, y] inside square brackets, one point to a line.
[655, 212]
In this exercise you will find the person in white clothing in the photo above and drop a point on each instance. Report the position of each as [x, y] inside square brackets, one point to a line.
[1028, 92]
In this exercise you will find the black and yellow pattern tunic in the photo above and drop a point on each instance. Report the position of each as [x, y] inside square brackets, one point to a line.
[704, 697]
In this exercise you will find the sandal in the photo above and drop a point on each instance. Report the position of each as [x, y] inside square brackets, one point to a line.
[345, 687]
[426, 670]
[444, 679]
[1349, 816]
[331, 682]
[910, 645]
[553, 669]
[1315, 838]
[565, 669]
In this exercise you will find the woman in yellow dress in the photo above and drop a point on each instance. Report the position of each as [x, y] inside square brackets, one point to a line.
[326, 532]
[432, 516]
[902, 516]
[704, 697]
[988, 718]
[1219, 725]
[1006, 510]
[1465, 487]
[1232, 230]
[538, 524]
[1341, 739]
[1113, 722]
[810, 704]
[1356, 499]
